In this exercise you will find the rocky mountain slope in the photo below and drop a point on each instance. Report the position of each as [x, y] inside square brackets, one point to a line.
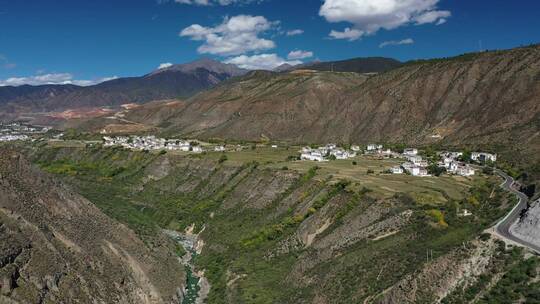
[57, 247]
[485, 99]
[177, 81]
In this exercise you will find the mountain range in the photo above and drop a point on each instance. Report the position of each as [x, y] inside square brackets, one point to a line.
[174, 81]
[489, 98]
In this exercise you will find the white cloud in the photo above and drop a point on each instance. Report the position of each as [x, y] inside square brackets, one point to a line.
[369, 16]
[299, 54]
[165, 65]
[234, 36]
[433, 16]
[295, 32]
[260, 62]
[397, 42]
[214, 2]
[348, 33]
[53, 78]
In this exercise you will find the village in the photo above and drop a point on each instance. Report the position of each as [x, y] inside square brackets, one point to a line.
[415, 164]
[155, 143]
[453, 163]
[19, 132]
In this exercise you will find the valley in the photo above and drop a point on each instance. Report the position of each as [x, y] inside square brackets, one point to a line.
[269, 152]
[261, 216]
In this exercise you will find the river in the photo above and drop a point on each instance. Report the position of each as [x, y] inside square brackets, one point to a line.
[196, 288]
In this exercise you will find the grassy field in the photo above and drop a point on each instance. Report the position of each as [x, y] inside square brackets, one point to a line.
[427, 190]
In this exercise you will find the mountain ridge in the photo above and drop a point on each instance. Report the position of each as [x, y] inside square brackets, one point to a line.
[486, 98]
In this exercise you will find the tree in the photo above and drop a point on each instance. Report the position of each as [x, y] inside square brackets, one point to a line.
[466, 157]
[434, 169]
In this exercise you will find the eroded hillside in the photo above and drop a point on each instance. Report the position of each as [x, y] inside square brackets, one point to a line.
[57, 247]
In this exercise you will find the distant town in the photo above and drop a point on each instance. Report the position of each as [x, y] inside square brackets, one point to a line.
[19, 132]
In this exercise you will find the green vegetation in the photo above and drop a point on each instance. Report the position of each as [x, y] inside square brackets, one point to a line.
[251, 253]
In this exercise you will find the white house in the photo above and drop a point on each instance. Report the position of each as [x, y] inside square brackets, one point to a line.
[414, 158]
[461, 169]
[482, 156]
[219, 148]
[418, 171]
[447, 162]
[197, 149]
[465, 171]
[373, 147]
[410, 151]
[397, 170]
[274, 146]
[407, 166]
[355, 148]
[342, 154]
[313, 156]
[386, 152]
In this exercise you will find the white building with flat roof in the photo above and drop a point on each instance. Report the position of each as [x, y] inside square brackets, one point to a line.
[313, 156]
[410, 151]
[397, 170]
[482, 156]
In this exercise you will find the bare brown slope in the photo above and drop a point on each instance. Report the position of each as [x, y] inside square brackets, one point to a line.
[491, 97]
[57, 247]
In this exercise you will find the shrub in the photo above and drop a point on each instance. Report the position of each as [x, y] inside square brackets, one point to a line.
[354, 163]
[485, 236]
[369, 171]
[223, 158]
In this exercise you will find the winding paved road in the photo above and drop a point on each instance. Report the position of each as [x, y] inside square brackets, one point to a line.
[502, 228]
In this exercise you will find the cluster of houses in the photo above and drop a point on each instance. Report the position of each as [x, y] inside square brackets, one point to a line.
[16, 131]
[326, 152]
[450, 161]
[153, 143]
[415, 164]
[17, 128]
[10, 137]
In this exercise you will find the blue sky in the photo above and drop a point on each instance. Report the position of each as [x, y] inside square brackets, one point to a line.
[61, 41]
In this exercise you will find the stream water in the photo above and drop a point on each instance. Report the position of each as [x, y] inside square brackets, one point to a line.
[192, 287]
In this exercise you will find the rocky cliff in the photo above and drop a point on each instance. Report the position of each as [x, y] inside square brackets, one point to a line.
[57, 247]
[527, 227]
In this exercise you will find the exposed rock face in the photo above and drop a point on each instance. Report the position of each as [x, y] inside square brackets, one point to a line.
[57, 247]
[441, 276]
[527, 227]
